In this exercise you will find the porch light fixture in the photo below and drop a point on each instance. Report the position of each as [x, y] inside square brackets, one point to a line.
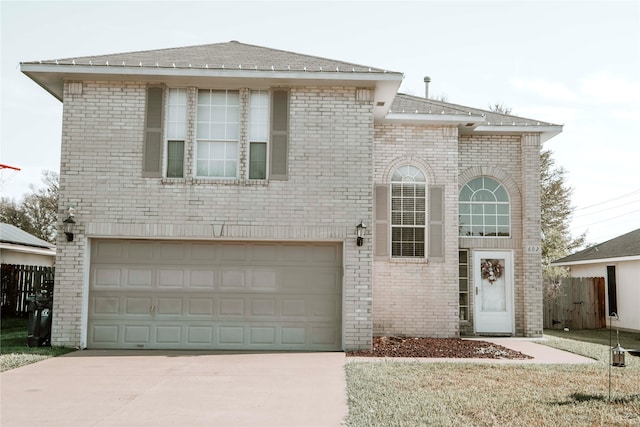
[360, 229]
[69, 224]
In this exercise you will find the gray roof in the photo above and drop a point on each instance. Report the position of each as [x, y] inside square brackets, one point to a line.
[627, 245]
[229, 55]
[409, 104]
[12, 234]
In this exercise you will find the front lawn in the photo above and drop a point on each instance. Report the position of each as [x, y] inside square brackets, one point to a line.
[13, 346]
[453, 394]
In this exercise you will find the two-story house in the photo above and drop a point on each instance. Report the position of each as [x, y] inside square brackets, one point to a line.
[221, 194]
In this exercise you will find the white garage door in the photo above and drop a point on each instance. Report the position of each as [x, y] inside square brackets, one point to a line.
[225, 295]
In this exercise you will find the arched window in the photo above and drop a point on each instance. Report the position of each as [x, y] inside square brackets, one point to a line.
[484, 209]
[408, 212]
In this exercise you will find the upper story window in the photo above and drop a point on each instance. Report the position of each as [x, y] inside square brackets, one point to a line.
[222, 134]
[484, 209]
[408, 215]
[176, 131]
[217, 133]
[258, 133]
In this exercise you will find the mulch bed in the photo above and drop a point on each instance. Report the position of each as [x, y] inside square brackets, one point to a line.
[436, 347]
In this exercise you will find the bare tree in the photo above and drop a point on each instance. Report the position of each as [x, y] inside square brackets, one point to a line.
[37, 212]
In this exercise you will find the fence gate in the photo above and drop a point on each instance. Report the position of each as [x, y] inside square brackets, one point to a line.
[578, 303]
[20, 281]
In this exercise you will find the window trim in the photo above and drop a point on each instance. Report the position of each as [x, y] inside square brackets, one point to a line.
[470, 203]
[250, 141]
[423, 226]
[197, 140]
[167, 139]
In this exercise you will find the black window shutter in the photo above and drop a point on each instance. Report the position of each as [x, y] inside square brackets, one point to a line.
[152, 152]
[279, 135]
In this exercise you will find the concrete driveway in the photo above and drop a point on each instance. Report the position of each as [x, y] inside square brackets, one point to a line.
[163, 388]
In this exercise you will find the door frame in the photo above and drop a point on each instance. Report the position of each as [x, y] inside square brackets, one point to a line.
[507, 319]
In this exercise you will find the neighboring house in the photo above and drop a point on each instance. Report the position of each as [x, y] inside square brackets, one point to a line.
[217, 190]
[618, 261]
[21, 248]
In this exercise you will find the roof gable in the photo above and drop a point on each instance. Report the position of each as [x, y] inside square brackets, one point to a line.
[627, 245]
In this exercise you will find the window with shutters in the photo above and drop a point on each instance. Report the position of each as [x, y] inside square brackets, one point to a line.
[408, 213]
[237, 135]
[484, 209]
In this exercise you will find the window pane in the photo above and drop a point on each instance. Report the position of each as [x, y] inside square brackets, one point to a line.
[502, 209]
[257, 160]
[501, 195]
[175, 159]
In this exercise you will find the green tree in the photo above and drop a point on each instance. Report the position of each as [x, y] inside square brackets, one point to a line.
[556, 211]
[37, 212]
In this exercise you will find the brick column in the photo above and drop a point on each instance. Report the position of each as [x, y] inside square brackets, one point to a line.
[531, 236]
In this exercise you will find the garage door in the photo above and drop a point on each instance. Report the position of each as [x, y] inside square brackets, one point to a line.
[227, 295]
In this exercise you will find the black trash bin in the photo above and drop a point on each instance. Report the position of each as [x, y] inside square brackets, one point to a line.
[39, 307]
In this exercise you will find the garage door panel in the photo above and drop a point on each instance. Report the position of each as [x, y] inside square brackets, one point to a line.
[170, 306]
[236, 296]
[137, 334]
[169, 334]
[201, 306]
[138, 306]
[139, 278]
[171, 278]
[200, 334]
[232, 280]
[202, 279]
[231, 307]
[106, 305]
[106, 277]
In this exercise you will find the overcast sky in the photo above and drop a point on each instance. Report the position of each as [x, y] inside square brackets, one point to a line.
[573, 63]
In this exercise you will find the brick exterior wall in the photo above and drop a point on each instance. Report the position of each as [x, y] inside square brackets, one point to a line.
[419, 297]
[333, 168]
[328, 192]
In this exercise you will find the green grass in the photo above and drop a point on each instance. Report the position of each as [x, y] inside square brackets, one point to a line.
[14, 351]
[452, 394]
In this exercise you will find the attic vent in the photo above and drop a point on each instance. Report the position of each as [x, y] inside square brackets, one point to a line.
[469, 124]
[380, 104]
[75, 88]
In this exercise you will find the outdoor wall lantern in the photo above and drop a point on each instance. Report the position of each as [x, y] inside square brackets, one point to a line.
[360, 229]
[69, 224]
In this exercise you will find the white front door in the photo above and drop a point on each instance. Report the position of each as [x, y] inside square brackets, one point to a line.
[493, 293]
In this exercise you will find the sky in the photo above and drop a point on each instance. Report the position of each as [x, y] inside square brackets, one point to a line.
[573, 63]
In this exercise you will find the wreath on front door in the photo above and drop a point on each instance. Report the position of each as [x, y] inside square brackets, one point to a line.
[491, 270]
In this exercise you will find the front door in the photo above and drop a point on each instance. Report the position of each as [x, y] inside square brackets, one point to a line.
[493, 293]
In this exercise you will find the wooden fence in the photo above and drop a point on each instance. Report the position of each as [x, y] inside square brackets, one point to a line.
[20, 281]
[579, 303]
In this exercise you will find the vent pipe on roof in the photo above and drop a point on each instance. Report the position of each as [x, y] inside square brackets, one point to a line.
[427, 80]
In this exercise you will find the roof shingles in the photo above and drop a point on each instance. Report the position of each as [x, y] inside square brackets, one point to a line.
[228, 55]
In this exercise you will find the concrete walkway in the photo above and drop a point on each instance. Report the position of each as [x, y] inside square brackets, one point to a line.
[155, 388]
